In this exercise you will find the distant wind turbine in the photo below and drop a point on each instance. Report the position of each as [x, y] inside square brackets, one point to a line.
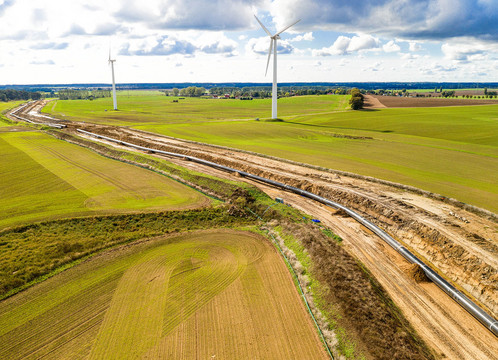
[273, 46]
[115, 103]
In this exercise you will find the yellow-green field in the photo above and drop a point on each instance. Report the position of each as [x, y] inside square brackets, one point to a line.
[452, 151]
[43, 178]
[159, 110]
[207, 295]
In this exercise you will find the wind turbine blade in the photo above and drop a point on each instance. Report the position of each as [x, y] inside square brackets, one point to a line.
[264, 28]
[269, 56]
[285, 28]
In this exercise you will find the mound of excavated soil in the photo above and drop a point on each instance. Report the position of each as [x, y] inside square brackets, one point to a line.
[417, 273]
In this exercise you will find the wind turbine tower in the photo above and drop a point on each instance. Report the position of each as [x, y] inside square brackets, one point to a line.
[273, 47]
[114, 101]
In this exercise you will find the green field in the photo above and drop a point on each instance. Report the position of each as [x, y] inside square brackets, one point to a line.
[190, 296]
[4, 106]
[43, 178]
[157, 110]
[452, 150]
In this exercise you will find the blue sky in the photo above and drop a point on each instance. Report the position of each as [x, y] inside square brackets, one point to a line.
[57, 41]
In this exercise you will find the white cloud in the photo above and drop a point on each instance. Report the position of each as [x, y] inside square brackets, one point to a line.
[49, 45]
[413, 19]
[42, 62]
[415, 46]
[374, 67]
[465, 51]
[437, 69]
[261, 46]
[343, 62]
[306, 37]
[409, 56]
[193, 14]
[344, 45]
[363, 42]
[391, 46]
[212, 43]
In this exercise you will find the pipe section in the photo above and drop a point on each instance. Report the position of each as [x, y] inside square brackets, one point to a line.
[14, 114]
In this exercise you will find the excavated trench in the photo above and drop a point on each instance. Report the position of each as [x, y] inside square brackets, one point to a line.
[471, 270]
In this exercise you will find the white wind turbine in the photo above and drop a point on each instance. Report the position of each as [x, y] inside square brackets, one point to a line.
[273, 46]
[114, 101]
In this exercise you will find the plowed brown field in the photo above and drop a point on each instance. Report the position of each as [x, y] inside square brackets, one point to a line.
[372, 101]
[205, 295]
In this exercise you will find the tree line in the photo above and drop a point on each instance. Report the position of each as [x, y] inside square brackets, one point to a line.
[261, 92]
[72, 94]
[11, 94]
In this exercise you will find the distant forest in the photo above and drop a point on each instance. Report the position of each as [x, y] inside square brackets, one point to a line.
[11, 94]
[50, 88]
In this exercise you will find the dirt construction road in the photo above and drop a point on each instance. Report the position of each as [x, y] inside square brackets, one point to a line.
[462, 245]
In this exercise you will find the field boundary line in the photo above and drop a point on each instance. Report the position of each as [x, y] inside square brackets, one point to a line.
[303, 295]
[294, 275]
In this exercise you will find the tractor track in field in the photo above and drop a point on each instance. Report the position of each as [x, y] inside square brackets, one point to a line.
[459, 243]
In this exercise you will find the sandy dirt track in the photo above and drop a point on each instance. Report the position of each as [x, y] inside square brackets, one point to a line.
[461, 244]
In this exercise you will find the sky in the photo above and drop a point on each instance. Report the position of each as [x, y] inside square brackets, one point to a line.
[68, 41]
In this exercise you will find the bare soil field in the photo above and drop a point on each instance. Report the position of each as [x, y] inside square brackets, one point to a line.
[372, 101]
[460, 243]
[211, 294]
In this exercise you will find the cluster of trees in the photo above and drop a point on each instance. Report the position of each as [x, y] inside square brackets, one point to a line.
[10, 94]
[356, 100]
[72, 94]
[191, 91]
[448, 93]
[490, 93]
